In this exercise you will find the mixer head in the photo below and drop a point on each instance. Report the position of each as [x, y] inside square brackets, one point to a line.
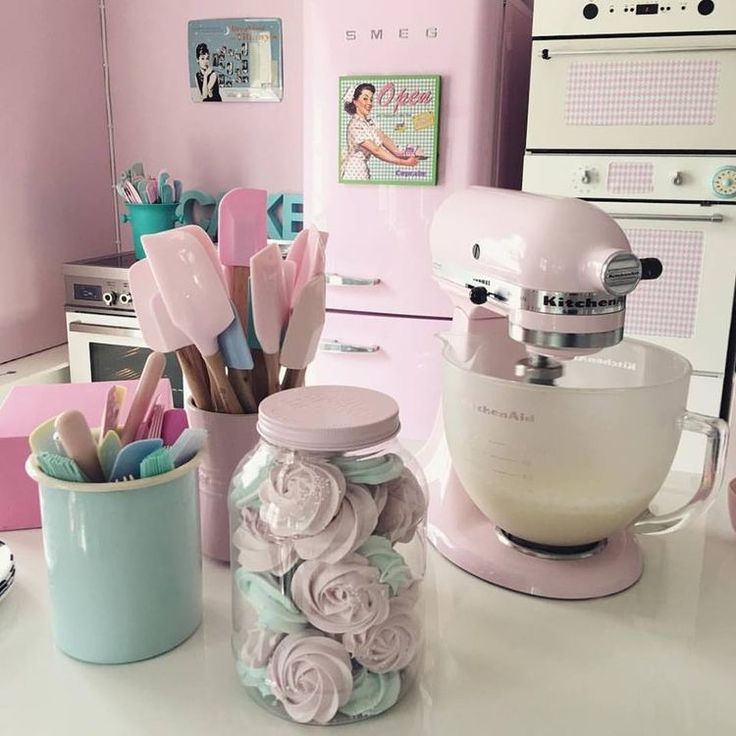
[558, 268]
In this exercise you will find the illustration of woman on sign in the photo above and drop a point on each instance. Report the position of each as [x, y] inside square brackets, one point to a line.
[365, 139]
[207, 81]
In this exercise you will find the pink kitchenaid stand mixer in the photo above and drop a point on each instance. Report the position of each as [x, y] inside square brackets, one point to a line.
[556, 432]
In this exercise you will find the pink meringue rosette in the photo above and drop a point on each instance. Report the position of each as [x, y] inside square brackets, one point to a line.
[311, 676]
[391, 644]
[343, 597]
[354, 523]
[404, 508]
[301, 498]
[258, 549]
[258, 647]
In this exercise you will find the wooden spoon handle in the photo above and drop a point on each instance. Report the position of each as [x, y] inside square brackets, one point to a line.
[218, 378]
[195, 374]
[240, 381]
[273, 368]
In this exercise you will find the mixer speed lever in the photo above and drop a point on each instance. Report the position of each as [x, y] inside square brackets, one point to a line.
[651, 268]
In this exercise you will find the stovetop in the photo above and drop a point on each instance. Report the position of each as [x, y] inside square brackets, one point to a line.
[99, 283]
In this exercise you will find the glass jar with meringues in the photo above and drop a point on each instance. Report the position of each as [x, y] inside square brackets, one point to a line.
[327, 517]
[243, 321]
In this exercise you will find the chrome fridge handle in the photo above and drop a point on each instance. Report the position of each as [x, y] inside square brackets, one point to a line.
[335, 346]
[337, 279]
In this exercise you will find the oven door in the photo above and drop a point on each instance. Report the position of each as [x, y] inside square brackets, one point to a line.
[689, 308]
[644, 93]
[110, 347]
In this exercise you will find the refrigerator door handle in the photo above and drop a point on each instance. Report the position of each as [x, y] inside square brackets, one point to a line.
[335, 346]
[549, 54]
[337, 279]
[717, 217]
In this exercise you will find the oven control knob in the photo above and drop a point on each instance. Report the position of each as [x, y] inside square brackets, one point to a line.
[585, 176]
[724, 182]
[109, 297]
[590, 11]
[706, 7]
[125, 298]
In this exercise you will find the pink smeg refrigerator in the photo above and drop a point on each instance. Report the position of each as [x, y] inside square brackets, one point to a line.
[405, 102]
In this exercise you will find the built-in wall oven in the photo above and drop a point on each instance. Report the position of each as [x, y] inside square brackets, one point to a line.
[631, 108]
[105, 341]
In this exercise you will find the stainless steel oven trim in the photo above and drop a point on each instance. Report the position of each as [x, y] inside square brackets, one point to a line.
[104, 330]
[549, 54]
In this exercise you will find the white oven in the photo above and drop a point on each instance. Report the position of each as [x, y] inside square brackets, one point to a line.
[104, 338]
[633, 76]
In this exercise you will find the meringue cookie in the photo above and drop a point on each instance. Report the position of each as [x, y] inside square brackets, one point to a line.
[339, 598]
[301, 498]
[391, 644]
[405, 507]
[391, 565]
[254, 677]
[373, 693]
[311, 676]
[275, 610]
[258, 647]
[258, 549]
[355, 520]
[247, 480]
[370, 470]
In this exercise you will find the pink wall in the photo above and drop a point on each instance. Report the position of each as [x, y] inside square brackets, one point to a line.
[55, 200]
[208, 147]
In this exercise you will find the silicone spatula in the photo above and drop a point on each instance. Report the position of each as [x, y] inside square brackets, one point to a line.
[312, 261]
[270, 307]
[151, 374]
[162, 335]
[232, 340]
[111, 412]
[303, 332]
[241, 233]
[76, 439]
[195, 298]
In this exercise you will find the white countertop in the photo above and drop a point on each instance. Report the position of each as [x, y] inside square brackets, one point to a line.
[659, 658]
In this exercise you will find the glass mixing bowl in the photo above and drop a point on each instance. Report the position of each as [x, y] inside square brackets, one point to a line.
[572, 463]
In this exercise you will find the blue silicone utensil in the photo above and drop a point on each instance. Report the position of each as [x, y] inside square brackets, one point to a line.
[128, 461]
[234, 345]
[190, 442]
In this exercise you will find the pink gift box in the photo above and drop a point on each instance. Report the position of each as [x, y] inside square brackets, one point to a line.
[24, 408]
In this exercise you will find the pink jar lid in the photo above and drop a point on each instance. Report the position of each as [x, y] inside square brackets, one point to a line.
[328, 418]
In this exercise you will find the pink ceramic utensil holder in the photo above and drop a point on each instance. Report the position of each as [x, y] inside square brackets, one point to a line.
[229, 438]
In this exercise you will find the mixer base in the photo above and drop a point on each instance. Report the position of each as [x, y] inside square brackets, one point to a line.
[462, 534]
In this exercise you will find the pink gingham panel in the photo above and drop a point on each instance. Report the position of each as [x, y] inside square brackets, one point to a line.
[631, 177]
[677, 92]
[667, 307]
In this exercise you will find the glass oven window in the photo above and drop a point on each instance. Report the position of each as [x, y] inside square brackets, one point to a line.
[120, 363]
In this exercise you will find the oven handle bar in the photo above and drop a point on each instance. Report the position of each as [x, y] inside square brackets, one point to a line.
[103, 330]
[666, 218]
[549, 54]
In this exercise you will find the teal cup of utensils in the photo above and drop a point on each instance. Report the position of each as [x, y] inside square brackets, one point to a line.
[146, 219]
[124, 563]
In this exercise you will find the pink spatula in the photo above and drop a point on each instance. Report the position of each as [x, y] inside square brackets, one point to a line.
[162, 335]
[303, 332]
[270, 307]
[196, 299]
[308, 252]
[147, 385]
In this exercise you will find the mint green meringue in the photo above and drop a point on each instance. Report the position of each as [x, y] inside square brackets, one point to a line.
[372, 693]
[254, 677]
[391, 565]
[372, 470]
[276, 611]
